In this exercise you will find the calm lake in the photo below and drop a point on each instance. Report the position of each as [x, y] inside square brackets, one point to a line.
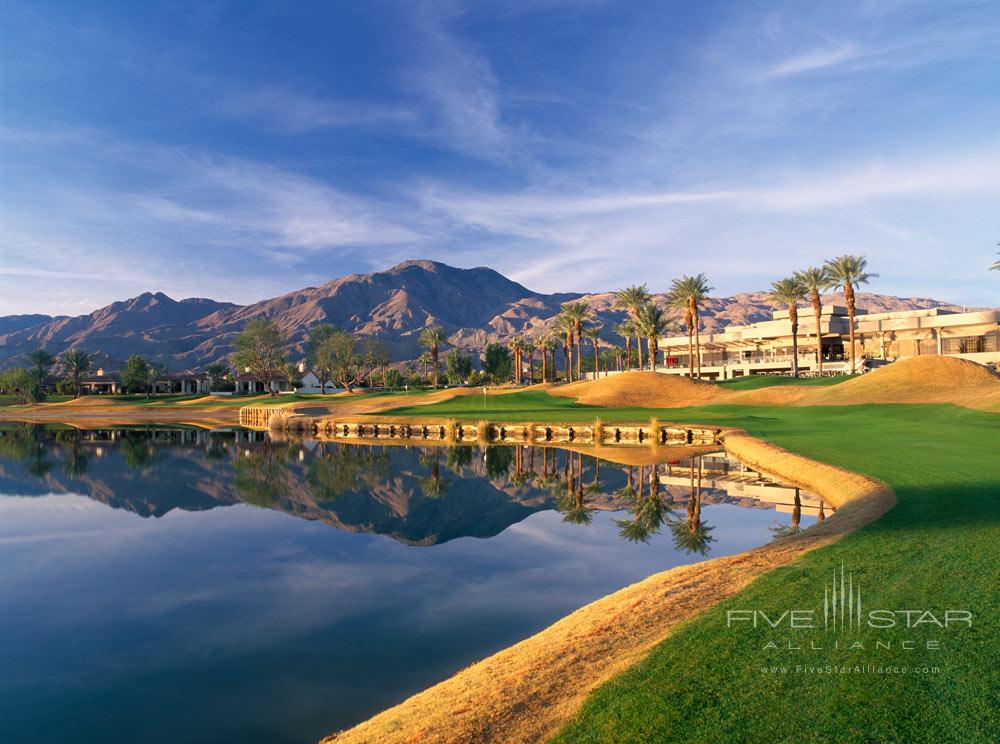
[180, 585]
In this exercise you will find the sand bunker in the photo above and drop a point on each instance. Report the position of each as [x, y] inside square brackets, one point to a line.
[644, 390]
[924, 379]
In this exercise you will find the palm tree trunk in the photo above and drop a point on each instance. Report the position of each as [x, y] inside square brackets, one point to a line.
[849, 296]
[597, 367]
[818, 312]
[434, 361]
[545, 366]
[628, 353]
[638, 346]
[579, 352]
[690, 350]
[531, 366]
[793, 316]
[697, 339]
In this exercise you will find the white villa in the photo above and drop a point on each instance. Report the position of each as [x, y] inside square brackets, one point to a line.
[766, 347]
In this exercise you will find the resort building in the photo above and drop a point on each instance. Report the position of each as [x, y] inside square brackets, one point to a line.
[766, 347]
[102, 383]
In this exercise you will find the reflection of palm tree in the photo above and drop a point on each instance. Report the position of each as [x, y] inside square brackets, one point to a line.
[331, 474]
[458, 459]
[434, 486]
[691, 535]
[77, 461]
[786, 530]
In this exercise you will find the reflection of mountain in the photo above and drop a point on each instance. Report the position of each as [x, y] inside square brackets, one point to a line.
[416, 496]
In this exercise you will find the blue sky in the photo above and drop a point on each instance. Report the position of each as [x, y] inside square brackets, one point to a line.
[240, 150]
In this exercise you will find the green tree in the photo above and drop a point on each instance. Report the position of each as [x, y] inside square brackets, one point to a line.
[497, 362]
[21, 383]
[260, 349]
[652, 322]
[577, 313]
[849, 272]
[41, 361]
[317, 335]
[816, 279]
[567, 326]
[457, 366]
[433, 338]
[790, 292]
[217, 372]
[394, 378]
[77, 363]
[688, 293]
[138, 375]
[593, 332]
[425, 362]
[631, 299]
[349, 359]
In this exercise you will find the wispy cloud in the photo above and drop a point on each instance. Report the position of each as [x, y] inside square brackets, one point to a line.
[818, 59]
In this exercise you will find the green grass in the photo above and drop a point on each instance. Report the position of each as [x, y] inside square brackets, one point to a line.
[938, 549]
[755, 382]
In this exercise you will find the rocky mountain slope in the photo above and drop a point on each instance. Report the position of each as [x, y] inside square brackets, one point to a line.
[475, 306]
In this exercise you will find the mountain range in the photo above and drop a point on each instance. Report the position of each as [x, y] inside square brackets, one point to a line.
[475, 306]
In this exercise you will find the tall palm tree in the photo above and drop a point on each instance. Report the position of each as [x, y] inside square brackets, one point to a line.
[548, 344]
[41, 360]
[579, 313]
[816, 279]
[77, 363]
[631, 299]
[593, 332]
[625, 329]
[567, 325]
[530, 346]
[652, 323]
[433, 338]
[516, 345]
[790, 292]
[849, 272]
[689, 292]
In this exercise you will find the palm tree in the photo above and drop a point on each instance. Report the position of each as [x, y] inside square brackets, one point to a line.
[516, 348]
[548, 344]
[425, 361]
[625, 329]
[652, 322]
[816, 279]
[77, 363]
[530, 346]
[631, 299]
[790, 291]
[578, 313]
[433, 338]
[593, 332]
[41, 360]
[567, 325]
[849, 272]
[688, 292]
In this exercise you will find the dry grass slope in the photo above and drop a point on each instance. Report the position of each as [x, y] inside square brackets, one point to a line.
[524, 693]
[925, 379]
[644, 390]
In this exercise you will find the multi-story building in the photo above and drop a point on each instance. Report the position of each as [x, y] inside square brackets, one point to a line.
[766, 347]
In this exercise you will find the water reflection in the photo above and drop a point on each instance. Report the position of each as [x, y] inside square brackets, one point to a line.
[421, 496]
[290, 613]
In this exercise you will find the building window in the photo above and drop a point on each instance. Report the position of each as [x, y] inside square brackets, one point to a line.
[969, 345]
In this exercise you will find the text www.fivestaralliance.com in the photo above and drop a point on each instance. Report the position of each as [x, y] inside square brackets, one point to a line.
[857, 669]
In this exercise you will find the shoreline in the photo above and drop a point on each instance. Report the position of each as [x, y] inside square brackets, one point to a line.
[527, 691]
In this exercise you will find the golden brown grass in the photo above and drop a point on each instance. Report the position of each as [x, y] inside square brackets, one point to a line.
[524, 693]
[644, 390]
[924, 379]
